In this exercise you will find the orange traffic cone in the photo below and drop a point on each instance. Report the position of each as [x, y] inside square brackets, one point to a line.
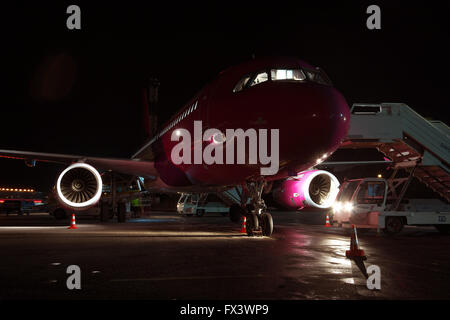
[244, 225]
[73, 224]
[327, 221]
[354, 251]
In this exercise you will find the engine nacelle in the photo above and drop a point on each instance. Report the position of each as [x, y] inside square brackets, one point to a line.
[314, 188]
[79, 186]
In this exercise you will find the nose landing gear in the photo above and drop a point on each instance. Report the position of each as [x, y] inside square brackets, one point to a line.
[258, 219]
[259, 223]
[266, 224]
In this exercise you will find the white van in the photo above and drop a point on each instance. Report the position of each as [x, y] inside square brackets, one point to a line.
[199, 204]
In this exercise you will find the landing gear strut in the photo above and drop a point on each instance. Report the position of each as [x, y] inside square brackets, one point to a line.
[258, 219]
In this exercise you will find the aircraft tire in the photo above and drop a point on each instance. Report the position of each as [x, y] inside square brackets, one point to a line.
[266, 224]
[252, 224]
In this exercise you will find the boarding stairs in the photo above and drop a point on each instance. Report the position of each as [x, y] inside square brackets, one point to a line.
[405, 137]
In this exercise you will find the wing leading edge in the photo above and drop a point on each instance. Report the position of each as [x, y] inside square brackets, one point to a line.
[125, 166]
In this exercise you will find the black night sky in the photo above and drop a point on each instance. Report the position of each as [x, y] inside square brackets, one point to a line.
[80, 91]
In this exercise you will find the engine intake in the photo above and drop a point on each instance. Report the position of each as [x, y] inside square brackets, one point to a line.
[315, 188]
[319, 188]
[79, 186]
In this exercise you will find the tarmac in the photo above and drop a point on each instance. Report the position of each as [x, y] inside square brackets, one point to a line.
[167, 256]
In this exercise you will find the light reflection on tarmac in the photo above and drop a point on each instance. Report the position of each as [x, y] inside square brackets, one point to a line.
[166, 256]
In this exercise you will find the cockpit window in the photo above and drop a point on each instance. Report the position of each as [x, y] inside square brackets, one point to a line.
[300, 74]
[316, 76]
[287, 74]
[260, 77]
[241, 84]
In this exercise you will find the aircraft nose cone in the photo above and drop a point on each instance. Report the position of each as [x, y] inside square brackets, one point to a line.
[330, 121]
[325, 115]
[318, 124]
[339, 118]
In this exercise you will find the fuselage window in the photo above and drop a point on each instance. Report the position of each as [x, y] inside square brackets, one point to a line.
[287, 74]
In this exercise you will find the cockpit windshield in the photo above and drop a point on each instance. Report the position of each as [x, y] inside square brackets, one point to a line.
[260, 77]
[317, 76]
[288, 75]
[241, 84]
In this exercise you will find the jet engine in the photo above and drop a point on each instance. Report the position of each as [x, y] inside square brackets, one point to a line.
[79, 186]
[314, 189]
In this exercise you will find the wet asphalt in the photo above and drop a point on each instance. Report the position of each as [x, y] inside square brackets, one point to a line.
[166, 256]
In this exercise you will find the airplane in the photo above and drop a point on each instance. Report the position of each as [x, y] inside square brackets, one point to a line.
[273, 93]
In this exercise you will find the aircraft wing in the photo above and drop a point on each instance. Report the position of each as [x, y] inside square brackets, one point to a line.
[345, 165]
[125, 166]
[352, 163]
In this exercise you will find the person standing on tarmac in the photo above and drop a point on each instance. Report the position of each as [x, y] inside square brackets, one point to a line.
[137, 208]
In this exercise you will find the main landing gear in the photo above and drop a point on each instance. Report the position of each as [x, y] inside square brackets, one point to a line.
[259, 221]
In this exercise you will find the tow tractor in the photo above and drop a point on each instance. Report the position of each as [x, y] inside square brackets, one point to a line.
[375, 203]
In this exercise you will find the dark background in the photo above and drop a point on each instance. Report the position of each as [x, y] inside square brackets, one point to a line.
[80, 91]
